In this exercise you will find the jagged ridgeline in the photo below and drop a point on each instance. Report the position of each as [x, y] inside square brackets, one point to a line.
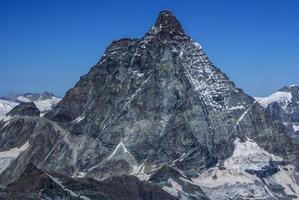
[158, 109]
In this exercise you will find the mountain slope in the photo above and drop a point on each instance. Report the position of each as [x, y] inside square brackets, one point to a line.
[154, 102]
[163, 95]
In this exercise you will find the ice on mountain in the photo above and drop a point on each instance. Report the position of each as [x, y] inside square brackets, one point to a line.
[6, 106]
[296, 127]
[280, 97]
[9, 155]
[248, 155]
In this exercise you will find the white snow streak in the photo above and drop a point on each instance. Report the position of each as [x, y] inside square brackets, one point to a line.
[79, 119]
[120, 146]
[57, 181]
[296, 127]
[9, 155]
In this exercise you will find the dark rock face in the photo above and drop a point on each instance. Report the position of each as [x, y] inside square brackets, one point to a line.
[36, 184]
[25, 109]
[163, 95]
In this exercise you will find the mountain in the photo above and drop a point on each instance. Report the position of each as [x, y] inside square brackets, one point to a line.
[283, 106]
[44, 101]
[24, 109]
[158, 109]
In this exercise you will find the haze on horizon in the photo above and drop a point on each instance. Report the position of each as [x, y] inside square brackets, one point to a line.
[48, 45]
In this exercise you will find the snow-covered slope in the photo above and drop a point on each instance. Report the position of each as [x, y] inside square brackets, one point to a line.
[250, 173]
[6, 106]
[44, 102]
[6, 157]
[280, 97]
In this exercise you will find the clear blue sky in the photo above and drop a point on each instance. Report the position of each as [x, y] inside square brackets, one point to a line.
[48, 45]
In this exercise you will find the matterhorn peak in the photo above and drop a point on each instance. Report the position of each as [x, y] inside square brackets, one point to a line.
[168, 24]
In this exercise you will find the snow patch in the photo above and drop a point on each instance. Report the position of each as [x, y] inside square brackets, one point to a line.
[47, 104]
[215, 177]
[7, 156]
[5, 118]
[279, 97]
[42, 104]
[296, 127]
[119, 148]
[173, 189]
[285, 177]
[240, 107]
[248, 155]
[23, 99]
[139, 172]
[197, 45]
[6, 106]
[79, 119]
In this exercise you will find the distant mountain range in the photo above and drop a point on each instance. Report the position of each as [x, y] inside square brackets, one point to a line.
[153, 119]
[43, 101]
[283, 106]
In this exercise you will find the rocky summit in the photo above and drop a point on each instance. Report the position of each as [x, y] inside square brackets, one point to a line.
[153, 113]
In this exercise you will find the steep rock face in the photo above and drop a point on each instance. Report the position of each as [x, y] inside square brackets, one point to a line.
[163, 95]
[36, 184]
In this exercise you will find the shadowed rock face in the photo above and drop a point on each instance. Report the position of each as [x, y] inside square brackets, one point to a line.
[25, 109]
[36, 184]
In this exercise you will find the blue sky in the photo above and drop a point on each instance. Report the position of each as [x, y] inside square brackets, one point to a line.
[48, 45]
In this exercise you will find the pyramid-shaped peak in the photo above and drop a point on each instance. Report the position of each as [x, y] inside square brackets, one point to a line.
[168, 22]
